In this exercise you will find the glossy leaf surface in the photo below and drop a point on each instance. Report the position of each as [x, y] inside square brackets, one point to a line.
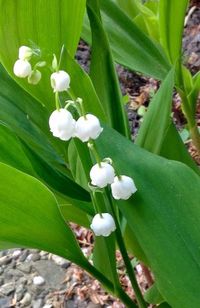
[163, 215]
[46, 24]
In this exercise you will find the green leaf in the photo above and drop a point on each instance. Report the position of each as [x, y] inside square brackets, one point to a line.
[171, 24]
[129, 45]
[130, 7]
[104, 257]
[103, 74]
[157, 119]
[45, 24]
[30, 217]
[11, 151]
[153, 296]
[80, 162]
[157, 133]
[74, 214]
[174, 148]
[164, 215]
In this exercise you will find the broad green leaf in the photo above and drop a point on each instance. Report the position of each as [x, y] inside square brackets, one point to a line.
[30, 217]
[80, 162]
[164, 215]
[29, 120]
[164, 305]
[104, 257]
[103, 74]
[130, 7]
[157, 133]
[12, 153]
[157, 119]
[129, 45]
[48, 25]
[74, 214]
[171, 24]
[153, 296]
[174, 148]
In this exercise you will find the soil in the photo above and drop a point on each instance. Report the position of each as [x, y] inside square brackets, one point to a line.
[60, 283]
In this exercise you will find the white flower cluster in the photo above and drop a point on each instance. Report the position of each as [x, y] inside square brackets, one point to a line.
[22, 67]
[122, 186]
[61, 122]
[63, 126]
[86, 128]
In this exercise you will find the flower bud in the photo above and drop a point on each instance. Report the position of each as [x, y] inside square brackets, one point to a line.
[102, 175]
[60, 81]
[34, 77]
[123, 187]
[62, 124]
[25, 53]
[22, 68]
[103, 225]
[88, 127]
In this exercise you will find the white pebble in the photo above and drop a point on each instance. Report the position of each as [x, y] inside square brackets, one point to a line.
[16, 253]
[38, 280]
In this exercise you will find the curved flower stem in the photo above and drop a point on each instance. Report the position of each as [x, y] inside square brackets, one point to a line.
[125, 256]
[192, 125]
[92, 148]
[57, 100]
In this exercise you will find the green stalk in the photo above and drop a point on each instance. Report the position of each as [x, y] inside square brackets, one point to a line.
[123, 250]
[192, 125]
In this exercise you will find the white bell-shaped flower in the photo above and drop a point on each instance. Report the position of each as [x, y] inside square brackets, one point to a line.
[88, 127]
[102, 175]
[103, 224]
[34, 77]
[60, 81]
[62, 124]
[22, 68]
[123, 187]
[25, 53]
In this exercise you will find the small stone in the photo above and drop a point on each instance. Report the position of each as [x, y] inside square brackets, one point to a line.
[38, 280]
[38, 303]
[29, 257]
[60, 261]
[16, 253]
[7, 288]
[5, 260]
[26, 300]
[19, 296]
[24, 267]
[24, 256]
[35, 257]
[12, 274]
[5, 302]
[22, 281]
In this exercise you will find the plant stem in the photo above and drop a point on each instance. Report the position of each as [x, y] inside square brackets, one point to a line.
[125, 256]
[192, 125]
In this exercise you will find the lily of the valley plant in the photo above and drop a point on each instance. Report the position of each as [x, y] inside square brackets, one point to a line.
[66, 153]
